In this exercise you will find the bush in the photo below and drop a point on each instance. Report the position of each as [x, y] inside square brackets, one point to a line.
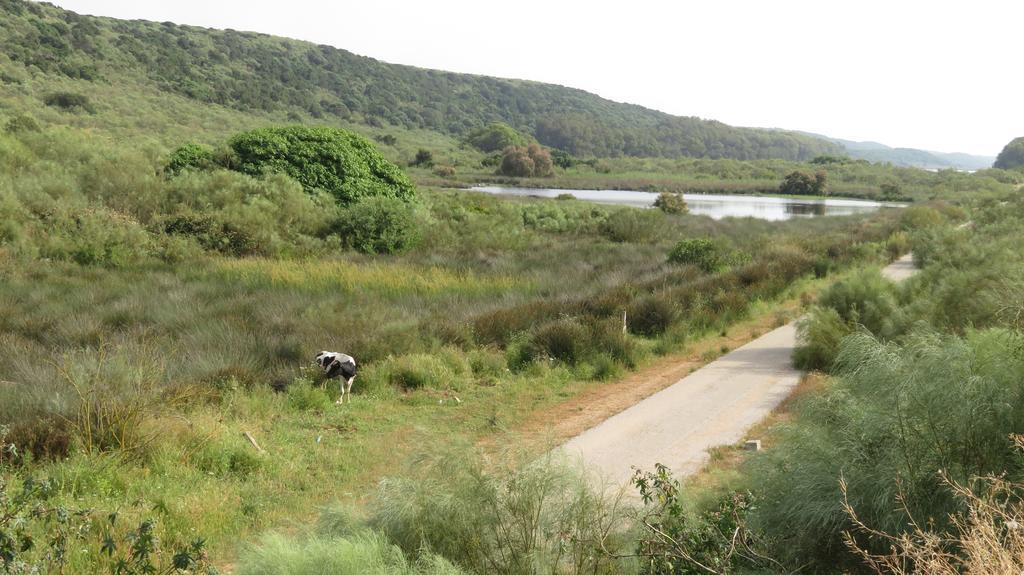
[701, 252]
[800, 183]
[190, 157]
[865, 298]
[895, 416]
[420, 371]
[340, 162]
[424, 158]
[650, 316]
[630, 225]
[671, 203]
[819, 336]
[531, 161]
[22, 123]
[563, 340]
[378, 226]
[360, 553]
[69, 101]
[531, 518]
[496, 137]
[444, 171]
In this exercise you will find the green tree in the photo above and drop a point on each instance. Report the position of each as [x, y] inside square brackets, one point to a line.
[671, 203]
[424, 158]
[1012, 156]
[344, 164]
[190, 157]
[495, 137]
[800, 183]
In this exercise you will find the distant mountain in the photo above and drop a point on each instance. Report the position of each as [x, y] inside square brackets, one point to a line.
[910, 157]
[261, 73]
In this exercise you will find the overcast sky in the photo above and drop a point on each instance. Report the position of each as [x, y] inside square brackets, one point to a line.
[936, 75]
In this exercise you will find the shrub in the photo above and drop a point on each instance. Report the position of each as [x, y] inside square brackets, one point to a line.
[531, 161]
[420, 370]
[799, 183]
[424, 158]
[444, 171]
[496, 137]
[701, 252]
[894, 417]
[378, 226]
[629, 225]
[69, 101]
[22, 123]
[564, 340]
[671, 203]
[304, 396]
[650, 316]
[919, 218]
[819, 336]
[190, 157]
[342, 163]
[865, 298]
[537, 517]
[359, 553]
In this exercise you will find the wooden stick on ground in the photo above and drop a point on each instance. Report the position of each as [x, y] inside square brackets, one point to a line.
[252, 440]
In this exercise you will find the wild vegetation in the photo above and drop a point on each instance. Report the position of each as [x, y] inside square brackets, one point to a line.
[893, 463]
[324, 83]
[154, 307]
[181, 230]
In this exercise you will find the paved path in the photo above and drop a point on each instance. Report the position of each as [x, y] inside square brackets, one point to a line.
[712, 406]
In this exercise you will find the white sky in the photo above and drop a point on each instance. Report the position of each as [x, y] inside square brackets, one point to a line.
[936, 75]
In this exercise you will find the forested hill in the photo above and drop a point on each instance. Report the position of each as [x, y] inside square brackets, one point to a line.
[257, 72]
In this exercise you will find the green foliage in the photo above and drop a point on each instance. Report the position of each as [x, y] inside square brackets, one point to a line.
[701, 252]
[651, 316]
[671, 203]
[799, 183]
[537, 517]
[336, 161]
[190, 157]
[496, 137]
[424, 158]
[219, 67]
[630, 226]
[896, 416]
[866, 299]
[673, 541]
[69, 101]
[22, 123]
[359, 553]
[1012, 155]
[37, 534]
[820, 334]
[378, 225]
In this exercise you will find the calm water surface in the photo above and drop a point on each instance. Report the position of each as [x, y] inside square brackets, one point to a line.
[716, 206]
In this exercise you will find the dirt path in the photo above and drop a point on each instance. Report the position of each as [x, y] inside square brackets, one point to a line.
[714, 405]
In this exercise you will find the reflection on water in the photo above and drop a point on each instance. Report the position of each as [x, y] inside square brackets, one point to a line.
[713, 205]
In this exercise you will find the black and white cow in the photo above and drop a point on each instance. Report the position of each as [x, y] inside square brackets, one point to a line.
[341, 366]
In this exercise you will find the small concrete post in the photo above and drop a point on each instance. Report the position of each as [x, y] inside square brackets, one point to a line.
[752, 445]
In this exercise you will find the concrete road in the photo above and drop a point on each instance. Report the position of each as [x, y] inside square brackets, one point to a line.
[712, 406]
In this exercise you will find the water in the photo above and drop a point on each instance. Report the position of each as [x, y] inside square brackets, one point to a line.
[717, 206]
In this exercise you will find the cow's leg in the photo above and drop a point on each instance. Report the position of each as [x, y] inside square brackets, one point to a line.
[341, 386]
[348, 388]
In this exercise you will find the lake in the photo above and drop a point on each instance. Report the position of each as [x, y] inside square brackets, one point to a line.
[717, 206]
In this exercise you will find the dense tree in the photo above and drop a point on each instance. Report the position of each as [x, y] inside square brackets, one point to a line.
[800, 183]
[524, 162]
[495, 137]
[1012, 156]
[252, 71]
[337, 161]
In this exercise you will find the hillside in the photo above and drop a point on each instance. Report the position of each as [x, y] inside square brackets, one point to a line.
[257, 73]
[911, 157]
